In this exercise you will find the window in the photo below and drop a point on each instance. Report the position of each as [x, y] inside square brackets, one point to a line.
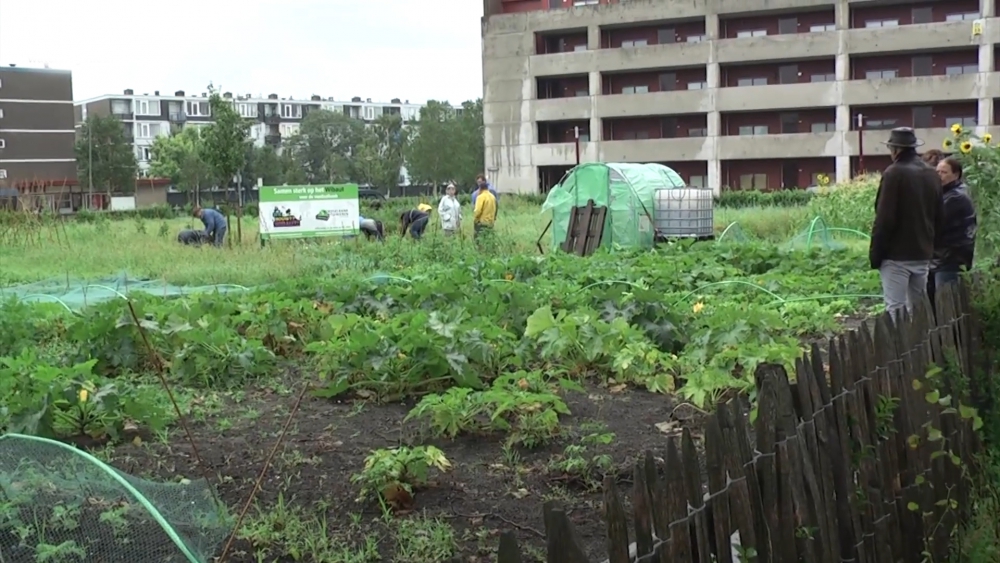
[582, 93]
[880, 74]
[751, 33]
[579, 48]
[584, 137]
[967, 122]
[585, 2]
[923, 15]
[751, 82]
[142, 107]
[145, 154]
[823, 27]
[788, 25]
[961, 69]
[291, 111]
[697, 181]
[143, 131]
[635, 43]
[823, 127]
[753, 181]
[247, 110]
[369, 113]
[665, 36]
[695, 38]
[198, 109]
[922, 116]
[881, 124]
[789, 123]
[121, 107]
[882, 23]
[753, 130]
[697, 85]
[668, 127]
[788, 74]
[668, 82]
[831, 77]
[635, 90]
[698, 132]
[923, 66]
[967, 16]
[3, 144]
[1, 113]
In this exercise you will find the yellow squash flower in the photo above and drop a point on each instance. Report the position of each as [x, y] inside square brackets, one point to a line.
[956, 129]
[986, 138]
[698, 307]
[947, 144]
[83, 395]
[965, 147]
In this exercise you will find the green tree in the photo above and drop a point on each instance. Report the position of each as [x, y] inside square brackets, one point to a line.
[380, 154]
[179, 157]
[324, 145]
[430, 152]
[469, 151]
[292, 171]
[224, 141]
[105, 157]
[264, 163]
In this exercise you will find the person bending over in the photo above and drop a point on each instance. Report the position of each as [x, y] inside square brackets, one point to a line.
[415, 220]
[215, 224]
[372, 228]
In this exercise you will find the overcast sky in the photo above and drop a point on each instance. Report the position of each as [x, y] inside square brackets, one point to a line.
[378, 49]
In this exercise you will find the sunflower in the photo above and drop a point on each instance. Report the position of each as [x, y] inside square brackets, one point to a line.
[965, 147]
[986, 138]
[956, 129]
[947, 144]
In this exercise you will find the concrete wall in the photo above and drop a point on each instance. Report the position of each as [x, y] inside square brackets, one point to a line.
[511, 69]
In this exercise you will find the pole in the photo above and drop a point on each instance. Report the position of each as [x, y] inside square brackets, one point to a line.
[576, 135]
[90, 167]
[239, 208]
[861, 144]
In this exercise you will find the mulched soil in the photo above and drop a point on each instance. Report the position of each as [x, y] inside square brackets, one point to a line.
[327, 444]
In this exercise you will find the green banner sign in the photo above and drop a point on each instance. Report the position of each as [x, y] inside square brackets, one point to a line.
[309, 211]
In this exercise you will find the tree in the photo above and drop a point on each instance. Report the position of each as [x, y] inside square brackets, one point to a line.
[380, 154]
[225, 140]
[324, 145]
[264, 163]
[105, 157]
[430, 153]
[179, 157]
[469, 152]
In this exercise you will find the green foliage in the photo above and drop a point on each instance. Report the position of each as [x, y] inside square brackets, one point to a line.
[848, 206]
[224, 141]
[322, 148]
[980, 159]
[264, 163]
[447, 144]
[741, 199]
[180, 157]
[387, 472]
[104, 155]
[378, 157]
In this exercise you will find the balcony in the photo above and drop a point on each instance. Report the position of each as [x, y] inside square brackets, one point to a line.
[178, 116]
[561, 109]
[678, 102]
[272, 139]
[909, 38]
[777, 96]
[562, 154]
[777, 47]
[123, 116]
[874, 140]
[794, 145]
[657, 150]
[272, 119]
[674, 55]
[918, 89]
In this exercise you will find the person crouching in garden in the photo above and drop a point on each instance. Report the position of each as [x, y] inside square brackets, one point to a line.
[215, 224]
[955, 242]
[415, 220]
[371, 228]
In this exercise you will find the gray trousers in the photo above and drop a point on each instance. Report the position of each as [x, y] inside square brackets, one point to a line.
[220, 235]
[904, 283]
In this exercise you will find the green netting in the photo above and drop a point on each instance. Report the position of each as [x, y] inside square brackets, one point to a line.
[733, 233]
[78, 294]
[61, 504]
[819, 235]
[626, 189]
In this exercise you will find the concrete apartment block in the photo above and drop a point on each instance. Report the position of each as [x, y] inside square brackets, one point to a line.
[740, 93]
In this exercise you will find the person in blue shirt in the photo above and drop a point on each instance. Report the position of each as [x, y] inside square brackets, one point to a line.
[215, 225]
[480, 182]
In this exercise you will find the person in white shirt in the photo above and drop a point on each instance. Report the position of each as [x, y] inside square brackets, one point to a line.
[450, 211]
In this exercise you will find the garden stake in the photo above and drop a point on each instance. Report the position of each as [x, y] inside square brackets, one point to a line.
[263, 473]
[177, 409]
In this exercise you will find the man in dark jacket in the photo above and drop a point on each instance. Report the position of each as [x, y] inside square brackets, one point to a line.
[908, 213]
[215, 224]
[955, 244]
[415, 221]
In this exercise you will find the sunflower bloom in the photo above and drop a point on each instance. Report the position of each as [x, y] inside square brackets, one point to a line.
[965, 147]
[986, 138]
[947, 144]
[956, 129]
[698, 307]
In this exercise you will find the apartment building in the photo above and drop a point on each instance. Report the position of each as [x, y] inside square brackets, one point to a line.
[148, 116]
[37, 133]
[761, 94]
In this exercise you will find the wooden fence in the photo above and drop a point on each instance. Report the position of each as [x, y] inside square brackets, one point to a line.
[867, 457]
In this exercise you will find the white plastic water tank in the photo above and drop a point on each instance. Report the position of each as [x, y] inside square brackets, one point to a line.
[684, 212]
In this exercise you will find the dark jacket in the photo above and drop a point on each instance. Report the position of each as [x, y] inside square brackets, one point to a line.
[213, 221]
[955, 243]
[908, 212]
[410, 217]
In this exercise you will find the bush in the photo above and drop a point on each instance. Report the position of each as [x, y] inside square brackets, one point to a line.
[850, 205]
[740, 199]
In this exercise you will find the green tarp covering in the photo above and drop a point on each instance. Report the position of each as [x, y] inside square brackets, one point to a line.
[626, 189]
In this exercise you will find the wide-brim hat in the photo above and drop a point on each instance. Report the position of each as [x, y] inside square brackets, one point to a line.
[903, 138]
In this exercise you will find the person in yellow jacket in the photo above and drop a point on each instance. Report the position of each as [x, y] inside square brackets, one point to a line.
[485, 214]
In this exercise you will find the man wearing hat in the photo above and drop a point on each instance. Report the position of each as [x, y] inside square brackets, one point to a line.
[908, 212]
[415, 220]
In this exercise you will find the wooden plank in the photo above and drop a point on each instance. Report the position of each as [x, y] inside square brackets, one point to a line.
[718, 479]
[614, 514]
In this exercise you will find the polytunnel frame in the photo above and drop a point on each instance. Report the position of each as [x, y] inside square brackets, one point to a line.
[129, 488]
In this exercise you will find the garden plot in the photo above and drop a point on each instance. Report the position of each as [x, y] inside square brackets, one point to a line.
[452, 398]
